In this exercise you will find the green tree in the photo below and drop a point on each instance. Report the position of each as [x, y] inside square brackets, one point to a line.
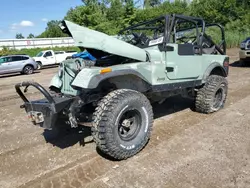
[244, 3]
[109, 16]
[151, 3]
[19, 36]
[30, 36]
[222, 11]
[129, 13]
[176, 7]
[93, 16]
[52, 30]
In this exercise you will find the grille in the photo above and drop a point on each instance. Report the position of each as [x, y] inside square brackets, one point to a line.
[67, 89]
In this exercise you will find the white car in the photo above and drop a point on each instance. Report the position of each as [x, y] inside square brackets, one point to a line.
[50, 57]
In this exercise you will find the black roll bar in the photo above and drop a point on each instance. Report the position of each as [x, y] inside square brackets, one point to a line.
[37, 86]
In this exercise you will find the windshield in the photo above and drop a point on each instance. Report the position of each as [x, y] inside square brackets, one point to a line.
[2, 60]
[40, 54]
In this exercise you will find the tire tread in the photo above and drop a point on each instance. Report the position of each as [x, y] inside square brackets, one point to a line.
[205, 95]
[102, 124]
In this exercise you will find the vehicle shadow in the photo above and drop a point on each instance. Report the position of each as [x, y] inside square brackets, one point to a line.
[239, 64]
[65, 136]
[9, 75]
[172, 105]
[49, 67]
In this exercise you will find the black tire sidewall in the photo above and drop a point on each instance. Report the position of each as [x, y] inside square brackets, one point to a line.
[206, 95]
[25, 72]
[222, 84]
[106, 118]
[131, 103]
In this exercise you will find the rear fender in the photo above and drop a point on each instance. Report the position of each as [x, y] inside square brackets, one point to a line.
[214, 66]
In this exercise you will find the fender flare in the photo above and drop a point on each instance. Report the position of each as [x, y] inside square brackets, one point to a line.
[212, 67]
[96, 80]
[39, 62]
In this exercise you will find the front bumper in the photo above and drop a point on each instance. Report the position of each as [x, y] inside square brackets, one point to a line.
[43, 112]
[244, 54]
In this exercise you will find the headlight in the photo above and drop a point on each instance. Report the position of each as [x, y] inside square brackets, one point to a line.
[60, 71]
[247, 45]
[243, 45]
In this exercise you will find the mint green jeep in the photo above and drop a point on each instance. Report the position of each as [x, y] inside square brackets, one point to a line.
[143, 64]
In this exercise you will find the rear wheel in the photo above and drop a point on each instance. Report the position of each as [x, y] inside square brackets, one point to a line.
[212, 96]
[28, 69]
[122, 123]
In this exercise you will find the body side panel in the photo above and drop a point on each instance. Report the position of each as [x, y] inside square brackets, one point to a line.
[210, 62]
[182, 67]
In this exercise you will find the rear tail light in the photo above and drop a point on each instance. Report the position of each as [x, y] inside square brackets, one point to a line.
[226, 62]
[226, 65]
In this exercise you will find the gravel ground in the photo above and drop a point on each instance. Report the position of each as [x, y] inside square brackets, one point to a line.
[187, 149]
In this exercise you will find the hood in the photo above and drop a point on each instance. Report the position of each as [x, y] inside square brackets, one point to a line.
[91, 39]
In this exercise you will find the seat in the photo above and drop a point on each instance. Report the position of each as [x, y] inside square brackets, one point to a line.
[208, 50]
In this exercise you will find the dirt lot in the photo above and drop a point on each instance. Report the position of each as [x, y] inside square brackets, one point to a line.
[187, 149]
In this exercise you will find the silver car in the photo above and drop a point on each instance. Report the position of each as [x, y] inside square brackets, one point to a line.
[17, 63]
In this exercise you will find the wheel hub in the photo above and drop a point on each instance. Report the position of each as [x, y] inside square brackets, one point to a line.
[218, 97]
[28, 70]
[129, 125]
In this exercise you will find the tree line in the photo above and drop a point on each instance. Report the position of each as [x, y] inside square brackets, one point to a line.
[110, 16]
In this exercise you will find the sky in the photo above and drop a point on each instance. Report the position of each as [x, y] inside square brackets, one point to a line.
[31, 16]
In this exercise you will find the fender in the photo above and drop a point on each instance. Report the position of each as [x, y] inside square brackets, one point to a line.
[92, 78]
[56, 82]
[96, 80]
[211, 67]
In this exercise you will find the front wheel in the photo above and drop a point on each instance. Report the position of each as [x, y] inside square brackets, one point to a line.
[39, 65]
[122, 123]
[28, 69]
[212, 96]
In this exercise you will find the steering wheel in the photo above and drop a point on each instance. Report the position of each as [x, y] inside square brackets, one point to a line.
[158, 32]
[141, 39]
[137, 38]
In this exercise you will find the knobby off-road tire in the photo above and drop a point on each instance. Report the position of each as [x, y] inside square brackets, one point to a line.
[122, 123]
[212, 96]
